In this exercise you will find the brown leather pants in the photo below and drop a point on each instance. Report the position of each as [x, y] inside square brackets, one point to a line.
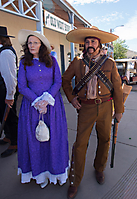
[88, 115]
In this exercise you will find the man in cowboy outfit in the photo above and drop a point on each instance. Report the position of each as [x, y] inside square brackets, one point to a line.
[93, 102]
[8, 83]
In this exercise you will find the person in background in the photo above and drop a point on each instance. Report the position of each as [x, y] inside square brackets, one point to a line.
[8, 95]
[39, 81]
[104, 50]
[53, 53]
[93, 102]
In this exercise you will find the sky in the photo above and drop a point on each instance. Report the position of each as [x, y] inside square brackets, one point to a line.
[111, 14]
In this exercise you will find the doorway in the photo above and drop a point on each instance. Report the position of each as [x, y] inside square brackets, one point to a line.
[62, 59]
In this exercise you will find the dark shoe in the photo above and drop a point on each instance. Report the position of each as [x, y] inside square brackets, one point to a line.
[100, 177]
[9, 151]
[72, 191]
[4, 141]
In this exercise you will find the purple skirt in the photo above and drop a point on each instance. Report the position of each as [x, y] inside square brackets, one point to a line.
[48, 160]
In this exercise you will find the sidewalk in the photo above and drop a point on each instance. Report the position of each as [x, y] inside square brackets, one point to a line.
[134, 87]
[121, 181]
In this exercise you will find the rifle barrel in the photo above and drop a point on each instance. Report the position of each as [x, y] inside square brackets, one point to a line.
[115, 130]
[6, 112]
[126, 91]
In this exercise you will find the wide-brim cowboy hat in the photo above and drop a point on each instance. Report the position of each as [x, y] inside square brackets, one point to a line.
[23, 35]
[3, 32]
[78, 35]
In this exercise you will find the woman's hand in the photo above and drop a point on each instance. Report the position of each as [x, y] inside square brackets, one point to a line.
[42, 106]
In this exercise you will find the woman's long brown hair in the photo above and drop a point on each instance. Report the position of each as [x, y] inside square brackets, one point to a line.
[44, 55]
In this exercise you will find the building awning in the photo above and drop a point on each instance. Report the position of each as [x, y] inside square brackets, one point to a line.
[62, 8]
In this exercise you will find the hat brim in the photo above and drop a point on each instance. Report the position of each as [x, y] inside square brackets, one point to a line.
[78, 35]
[7, 36]
[23, 34]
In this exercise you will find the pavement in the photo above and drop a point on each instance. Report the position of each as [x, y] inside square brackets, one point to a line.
[120, 181]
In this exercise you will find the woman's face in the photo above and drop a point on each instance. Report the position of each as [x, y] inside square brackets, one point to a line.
[34, 44]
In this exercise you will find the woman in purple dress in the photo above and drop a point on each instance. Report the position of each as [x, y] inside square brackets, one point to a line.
[38, 74]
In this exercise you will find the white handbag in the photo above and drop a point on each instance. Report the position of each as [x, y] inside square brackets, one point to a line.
[42, 131]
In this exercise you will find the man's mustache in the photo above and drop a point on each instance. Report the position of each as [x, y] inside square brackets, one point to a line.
[91, 48]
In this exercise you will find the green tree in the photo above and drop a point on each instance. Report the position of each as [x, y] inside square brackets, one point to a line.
[120, 49]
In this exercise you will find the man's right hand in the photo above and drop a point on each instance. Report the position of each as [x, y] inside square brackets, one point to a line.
[9, 102]
[76, 103]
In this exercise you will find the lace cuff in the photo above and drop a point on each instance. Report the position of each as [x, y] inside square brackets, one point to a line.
[45, 96]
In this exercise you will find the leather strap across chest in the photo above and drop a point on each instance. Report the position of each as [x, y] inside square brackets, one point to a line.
[94, 70]
[100, 74]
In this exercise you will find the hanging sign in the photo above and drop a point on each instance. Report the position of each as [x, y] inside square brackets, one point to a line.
[55, 23]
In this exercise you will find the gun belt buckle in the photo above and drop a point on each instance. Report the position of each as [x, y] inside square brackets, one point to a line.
[98, 101]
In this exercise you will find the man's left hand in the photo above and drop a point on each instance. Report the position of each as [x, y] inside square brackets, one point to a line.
[118, 116]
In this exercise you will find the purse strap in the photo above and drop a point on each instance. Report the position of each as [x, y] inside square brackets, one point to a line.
[41, 116]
